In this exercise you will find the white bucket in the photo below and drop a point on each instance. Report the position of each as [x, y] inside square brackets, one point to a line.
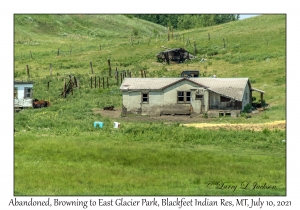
[116, 125]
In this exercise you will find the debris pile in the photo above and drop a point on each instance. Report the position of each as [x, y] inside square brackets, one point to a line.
[178, 55]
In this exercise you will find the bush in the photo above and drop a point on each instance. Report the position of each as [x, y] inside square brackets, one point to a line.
[247, 108]
[135, 32]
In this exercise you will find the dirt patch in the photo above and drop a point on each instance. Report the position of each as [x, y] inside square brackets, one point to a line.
[116, 114]
[190, 120]
[280, 125]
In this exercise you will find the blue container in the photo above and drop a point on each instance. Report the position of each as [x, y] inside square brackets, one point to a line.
[100, 124]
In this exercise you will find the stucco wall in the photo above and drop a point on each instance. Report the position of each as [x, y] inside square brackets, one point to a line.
[165, 101]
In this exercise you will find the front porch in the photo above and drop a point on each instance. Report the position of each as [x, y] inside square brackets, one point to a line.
[223, 112]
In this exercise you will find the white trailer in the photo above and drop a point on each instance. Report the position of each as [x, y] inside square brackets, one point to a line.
[23, 94]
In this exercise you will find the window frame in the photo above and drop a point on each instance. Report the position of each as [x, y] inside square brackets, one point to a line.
[30, 93]
[199, 98]
[185, 97]
[143, 97]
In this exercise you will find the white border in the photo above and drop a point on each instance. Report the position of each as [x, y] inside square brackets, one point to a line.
[233, 6]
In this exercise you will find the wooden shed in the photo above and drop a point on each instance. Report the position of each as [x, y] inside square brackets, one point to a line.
[23, 94]
[158, 96]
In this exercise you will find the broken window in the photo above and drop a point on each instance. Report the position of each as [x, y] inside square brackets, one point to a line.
[27, 92]
[145, 97]
[16, 93]
[224, 99]
[183, 97]
[199, 96]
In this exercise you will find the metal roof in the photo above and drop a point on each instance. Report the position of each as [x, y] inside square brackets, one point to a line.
[147, 83]
[228, 87]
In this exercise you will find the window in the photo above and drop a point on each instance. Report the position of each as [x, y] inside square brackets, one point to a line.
[145, 97]
[199, 97]
[183, 97]
[16, 93]
[27, 92]
[224, 99]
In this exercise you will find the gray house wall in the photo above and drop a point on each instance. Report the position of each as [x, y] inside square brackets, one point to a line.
[165, 101]
[247, 98]
[218, 94]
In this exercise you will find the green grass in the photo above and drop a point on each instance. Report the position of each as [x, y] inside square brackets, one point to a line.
[58, 152]
[147, 160]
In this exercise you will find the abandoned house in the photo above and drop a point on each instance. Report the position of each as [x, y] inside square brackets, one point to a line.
[23, 94]
[172, 96]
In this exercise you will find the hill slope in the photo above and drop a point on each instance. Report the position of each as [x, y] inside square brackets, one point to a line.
[57, 151]
[253, 48]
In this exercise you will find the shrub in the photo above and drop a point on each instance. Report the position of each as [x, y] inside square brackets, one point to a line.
[135, 32]
[247, 108]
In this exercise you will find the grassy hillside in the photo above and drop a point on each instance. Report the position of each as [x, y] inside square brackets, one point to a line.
[137, 158]
[254, 48]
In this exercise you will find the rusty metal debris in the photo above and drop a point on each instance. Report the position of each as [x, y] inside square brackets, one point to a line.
[178, 55]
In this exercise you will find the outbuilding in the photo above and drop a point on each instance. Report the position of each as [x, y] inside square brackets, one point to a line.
[23, 94]
[159, 96]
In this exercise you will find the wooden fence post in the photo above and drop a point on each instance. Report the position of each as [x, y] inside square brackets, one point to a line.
[109, 67]
[65, 88]
[91, 67]
[166, 54]
[58, 52]
[31, 55]
[95, 82]
[99, 82]
[27, 70]
[117, 76]
[103, 82]
[107, 85]
[144, 73]
[71, 84]
[121, 75]
[48, 85]
[91, 82]
[75, 80]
